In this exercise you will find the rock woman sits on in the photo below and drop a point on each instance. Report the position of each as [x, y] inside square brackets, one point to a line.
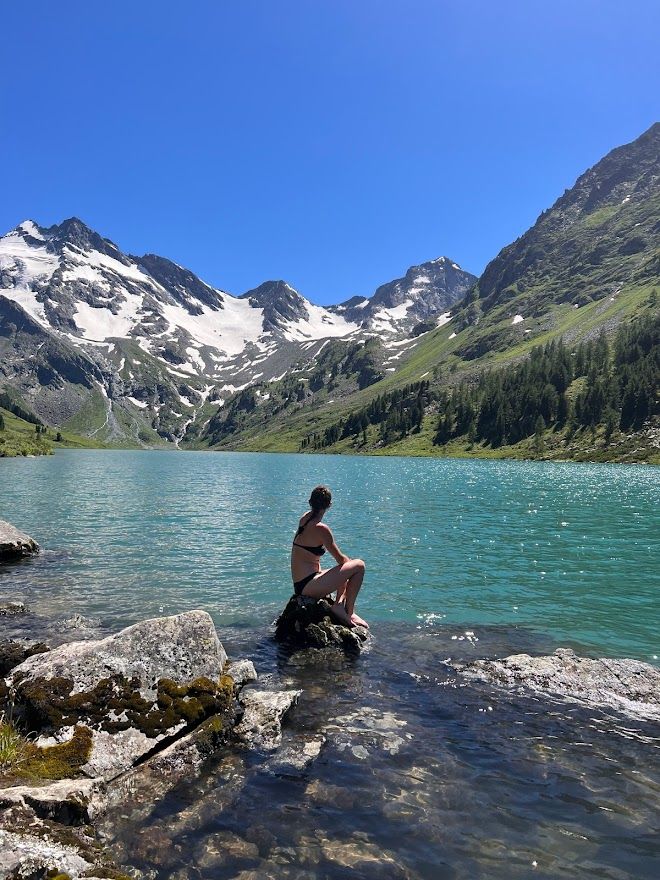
[311, 541]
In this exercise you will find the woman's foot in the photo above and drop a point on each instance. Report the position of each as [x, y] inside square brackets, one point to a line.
[339, 612]
[356, 620]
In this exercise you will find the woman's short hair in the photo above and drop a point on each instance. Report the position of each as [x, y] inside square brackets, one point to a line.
[320, 499]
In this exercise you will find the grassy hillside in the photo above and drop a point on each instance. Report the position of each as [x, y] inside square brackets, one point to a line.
[19, 437]
[590, 265]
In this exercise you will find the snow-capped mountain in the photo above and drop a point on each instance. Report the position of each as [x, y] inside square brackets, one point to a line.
[149, 336]
[425, 292]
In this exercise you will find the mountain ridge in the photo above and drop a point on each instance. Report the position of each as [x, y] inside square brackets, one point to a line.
[150, 336]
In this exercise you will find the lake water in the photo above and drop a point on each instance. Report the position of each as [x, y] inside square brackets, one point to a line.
[421, 774]
[567, 550]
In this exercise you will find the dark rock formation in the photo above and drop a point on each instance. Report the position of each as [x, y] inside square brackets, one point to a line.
[628, 686]
[308, 623]
[15, 544]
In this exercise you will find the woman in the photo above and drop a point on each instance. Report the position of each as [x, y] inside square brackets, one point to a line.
[310, 543]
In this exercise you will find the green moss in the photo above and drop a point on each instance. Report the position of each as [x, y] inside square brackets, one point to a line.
[50, 705]
[62, 761]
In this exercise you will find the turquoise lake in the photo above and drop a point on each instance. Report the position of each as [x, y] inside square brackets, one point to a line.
[567, 550]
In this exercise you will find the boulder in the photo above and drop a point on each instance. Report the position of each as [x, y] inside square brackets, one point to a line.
[34, 847]
[629, 686]
[133, 690]
[261, 724]
[15, 544]
[307, 622]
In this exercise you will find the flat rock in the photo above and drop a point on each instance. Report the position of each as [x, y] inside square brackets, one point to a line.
[65, 801]
[629, 686]
[15, 544]
[307, 622]
[261, 724]
[134, 689]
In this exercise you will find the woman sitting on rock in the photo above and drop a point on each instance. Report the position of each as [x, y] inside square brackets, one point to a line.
[310, 543]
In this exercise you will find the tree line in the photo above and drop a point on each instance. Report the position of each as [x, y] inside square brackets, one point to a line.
[610, 382]
[617, 386]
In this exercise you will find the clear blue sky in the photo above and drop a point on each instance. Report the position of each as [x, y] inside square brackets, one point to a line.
[332, 143]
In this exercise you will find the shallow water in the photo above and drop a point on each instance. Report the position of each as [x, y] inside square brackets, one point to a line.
[420, 774]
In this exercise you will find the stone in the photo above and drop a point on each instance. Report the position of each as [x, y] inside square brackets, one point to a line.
[65, 801]
[307, 622]
[12, 607]
[242, 671]
[15, 544]
[133, 689]
[628, 686]
[296, 756]
[261, 724]
[31, 846]
[13, 652]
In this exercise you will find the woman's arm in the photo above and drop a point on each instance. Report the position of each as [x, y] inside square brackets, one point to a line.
[329, 544]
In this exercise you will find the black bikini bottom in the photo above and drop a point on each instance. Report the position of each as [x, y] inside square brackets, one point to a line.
[299, 586]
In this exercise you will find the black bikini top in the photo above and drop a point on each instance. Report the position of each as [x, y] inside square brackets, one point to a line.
[317, 551]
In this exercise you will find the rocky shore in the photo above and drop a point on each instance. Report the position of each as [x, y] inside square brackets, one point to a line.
[154, 705]
[156, 698]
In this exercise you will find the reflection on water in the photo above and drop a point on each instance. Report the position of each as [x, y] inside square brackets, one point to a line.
[420, 776]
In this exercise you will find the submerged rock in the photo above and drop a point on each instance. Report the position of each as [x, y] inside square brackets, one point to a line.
[308, 622]
[15, 544]
[131, 690]
[628, 686]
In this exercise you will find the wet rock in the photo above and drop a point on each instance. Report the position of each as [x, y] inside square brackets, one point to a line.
[65, 801]
[261, 724]
[15, 544]
[132, 690]
[217, 849]
[78, 623]
[12, 607]
[629, 686]
[296, 756]
[30, 847]
[242, 671]
[308, 622]
[359, 853]
[367, 730]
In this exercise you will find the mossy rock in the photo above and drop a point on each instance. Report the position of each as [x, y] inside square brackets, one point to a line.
[116, 704]
[12, 653]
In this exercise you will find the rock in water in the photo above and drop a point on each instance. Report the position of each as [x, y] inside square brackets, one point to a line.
[308, 622]
[132, 690]
[261, 724]
[628, 686]
[14, 544]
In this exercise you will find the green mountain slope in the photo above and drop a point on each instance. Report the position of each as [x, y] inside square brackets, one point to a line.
[590, 264]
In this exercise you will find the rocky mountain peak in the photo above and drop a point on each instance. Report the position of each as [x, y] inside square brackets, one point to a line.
[281, 303]
[76, 234]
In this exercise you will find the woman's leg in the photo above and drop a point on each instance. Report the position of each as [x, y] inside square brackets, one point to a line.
[347, 580]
